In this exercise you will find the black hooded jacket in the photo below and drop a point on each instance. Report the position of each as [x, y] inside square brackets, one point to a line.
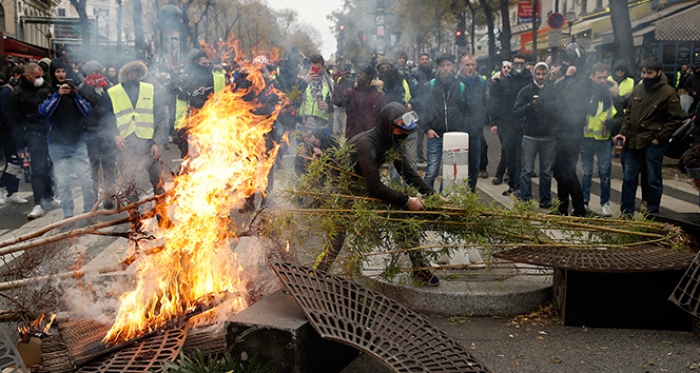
[371, 151]
[502, 99]
[445, 108]
[576, 102]
[24, 106]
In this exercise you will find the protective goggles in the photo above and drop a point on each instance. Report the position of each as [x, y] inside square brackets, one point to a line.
[407, 121]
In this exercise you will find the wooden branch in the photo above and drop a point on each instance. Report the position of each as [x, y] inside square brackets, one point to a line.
[79, 273]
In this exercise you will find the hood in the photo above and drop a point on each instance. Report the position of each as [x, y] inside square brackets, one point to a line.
[385, 121]
[543, 64]
[55, 65]
[620, 64]
[139, 66]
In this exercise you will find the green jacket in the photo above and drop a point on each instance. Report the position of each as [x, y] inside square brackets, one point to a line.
[652, 113]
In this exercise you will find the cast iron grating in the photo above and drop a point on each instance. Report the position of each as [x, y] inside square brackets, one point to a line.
[687, 294]
[10, 361]
[345, 312]
[636, 259]
[146, 355]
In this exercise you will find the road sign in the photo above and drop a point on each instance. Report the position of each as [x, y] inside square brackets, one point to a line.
[556, 21]
[554, 38]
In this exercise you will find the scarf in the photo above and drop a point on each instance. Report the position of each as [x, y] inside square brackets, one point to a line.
[98, 81]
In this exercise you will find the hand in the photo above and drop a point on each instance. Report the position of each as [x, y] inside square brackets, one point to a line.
[494, 130]
[618, 137]
[432, 134]
[323, 105]
[571, 70]
[409, 107]
[64, 89]
[414, 204]
[655, 142]
[155, 152]
[21, 155]
[121, 143]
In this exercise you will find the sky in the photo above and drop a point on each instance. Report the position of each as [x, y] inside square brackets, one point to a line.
[314, 12]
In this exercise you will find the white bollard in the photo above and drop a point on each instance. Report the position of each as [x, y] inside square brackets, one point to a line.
[455, 158]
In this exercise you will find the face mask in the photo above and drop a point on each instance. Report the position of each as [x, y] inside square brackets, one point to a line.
[517, 71]
[39, 82]
[648, 82]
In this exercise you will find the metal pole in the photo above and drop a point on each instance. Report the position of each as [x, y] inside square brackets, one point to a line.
[535, 3]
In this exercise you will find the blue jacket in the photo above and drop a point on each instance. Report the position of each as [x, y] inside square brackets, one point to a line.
[64, 115]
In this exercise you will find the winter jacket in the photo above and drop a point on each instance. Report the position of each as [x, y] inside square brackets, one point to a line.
[422, 75]
[102, 114]
[65, 115]
[502, 99]
[652, 113]
[371, 150]
[476, 93]
[24, 106]
[10, 128]
[536, 117]
[362, 106]
[444, 108]
[575, 103]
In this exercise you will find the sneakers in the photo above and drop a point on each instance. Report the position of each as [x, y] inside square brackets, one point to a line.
[585, 206]
[643, 207]
[15, 198]
[50, 204]
[426, 278]
[605, 209]
[497, 180]
[506, 178]
[2, 199]
[483, 174]
[36, 213]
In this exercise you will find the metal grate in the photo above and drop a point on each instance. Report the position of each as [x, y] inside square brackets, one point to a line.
[345, 312]
[143, 356]
[687, 294]
[10, 361]
[638, 259]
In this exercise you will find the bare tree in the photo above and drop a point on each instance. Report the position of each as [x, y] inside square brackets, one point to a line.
[488, 13]
[505, 27]
[622, 32]
[79, 6]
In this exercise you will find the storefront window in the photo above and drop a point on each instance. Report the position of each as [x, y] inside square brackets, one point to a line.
[669, 57]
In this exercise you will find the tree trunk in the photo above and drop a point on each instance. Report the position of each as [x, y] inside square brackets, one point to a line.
[139, 37]
[505, 28]
[472, 37]
[79, 6]
[488, 12]
[622, 33]
[119, 28]
[535, 4]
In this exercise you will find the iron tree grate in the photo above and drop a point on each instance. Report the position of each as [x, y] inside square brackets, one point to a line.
[345, 312]
[687, 294]
[637, 259]
[10, 361]
[145, 355]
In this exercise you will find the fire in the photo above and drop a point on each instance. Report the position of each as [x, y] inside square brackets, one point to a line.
[196, 259]
[37, 326]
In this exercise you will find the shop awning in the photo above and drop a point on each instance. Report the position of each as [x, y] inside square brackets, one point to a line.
[14, 47]
[682, 26]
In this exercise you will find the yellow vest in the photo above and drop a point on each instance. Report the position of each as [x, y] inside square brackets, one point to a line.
[310, 105]
[139, 120]
[626, 86]
[181, 106]
[595, 128]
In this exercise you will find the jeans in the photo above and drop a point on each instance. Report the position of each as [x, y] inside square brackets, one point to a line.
[434, 158]
[102, 153]
[569, 185]
[546, 150]
[484, 160]
[602, 149]
[650, 158]
[72, 159]
[41, 168]
[420, 144]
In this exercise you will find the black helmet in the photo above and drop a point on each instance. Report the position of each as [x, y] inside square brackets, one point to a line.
[575, 54]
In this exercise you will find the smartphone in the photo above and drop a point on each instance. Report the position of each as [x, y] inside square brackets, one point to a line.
[314, 70]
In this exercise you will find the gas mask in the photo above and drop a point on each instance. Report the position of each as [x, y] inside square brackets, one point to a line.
[39, 82]
[518, 69]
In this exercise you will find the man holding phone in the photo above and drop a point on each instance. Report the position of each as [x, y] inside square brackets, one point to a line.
[316, 107]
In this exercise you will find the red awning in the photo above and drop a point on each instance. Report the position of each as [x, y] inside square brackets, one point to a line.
[13, 47]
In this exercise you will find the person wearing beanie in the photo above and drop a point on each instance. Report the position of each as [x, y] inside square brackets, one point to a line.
[138, 128]
[362, 102]
[193, 91]
[45, 64]
[100, 145]
[65, 109]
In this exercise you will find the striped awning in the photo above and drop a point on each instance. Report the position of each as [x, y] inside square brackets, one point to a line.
[682, 26]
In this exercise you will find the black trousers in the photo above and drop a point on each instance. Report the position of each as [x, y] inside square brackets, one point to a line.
[569, 185]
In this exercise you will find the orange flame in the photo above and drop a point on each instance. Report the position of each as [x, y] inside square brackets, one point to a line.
[38, 325]
[196, 259]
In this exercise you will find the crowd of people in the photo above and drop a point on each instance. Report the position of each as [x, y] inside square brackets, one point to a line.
[106, 124]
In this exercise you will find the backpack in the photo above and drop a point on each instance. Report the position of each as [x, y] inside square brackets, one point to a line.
[461, 88]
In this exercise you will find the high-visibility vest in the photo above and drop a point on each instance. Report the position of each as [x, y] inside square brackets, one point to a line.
[310, 105]
[595, 128]
[182, 106]
[139, 120]
[626, 86]
[406, 91]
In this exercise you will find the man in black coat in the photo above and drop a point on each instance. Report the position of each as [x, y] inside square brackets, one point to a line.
[502, 99]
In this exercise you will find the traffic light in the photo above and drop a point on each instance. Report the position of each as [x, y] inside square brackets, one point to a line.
[341, 32]
[362, 35]
[459, 38]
